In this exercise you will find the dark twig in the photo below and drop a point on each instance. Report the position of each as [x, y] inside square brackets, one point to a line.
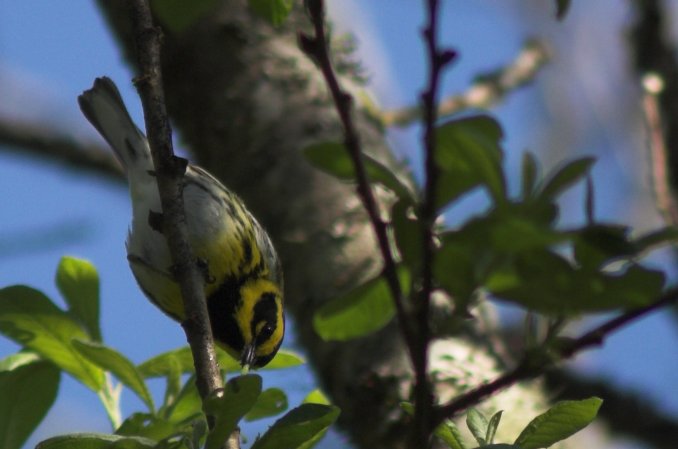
[169, 172]
[438, 59]
[317, 49]
[531, 366]
[488, 89]
[35, 139]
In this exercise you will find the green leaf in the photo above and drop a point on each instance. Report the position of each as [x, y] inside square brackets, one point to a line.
[180, 15]
[164, 364]
[663, 236]
[187, 403]
[274, 11]
[563, 178]
[238, 397]
[18, 359]
[333, 158]
[547, 283]
[29, 318]
[529, 175]
[316, 397]
[477, 424]
[492, 427]
[78, 282]
[299, 428]
[407, 233]
[271, 402]
[468, 155]
[27, 391]
[450, 435]
[149, 426]
[120, 366]
[363, 310]
[96, 441]
[598, 244]
[562, 6]
[561, 421]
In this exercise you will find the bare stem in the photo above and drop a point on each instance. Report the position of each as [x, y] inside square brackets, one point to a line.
[169, 172]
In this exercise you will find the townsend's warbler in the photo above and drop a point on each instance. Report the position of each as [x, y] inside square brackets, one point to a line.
[243, 281]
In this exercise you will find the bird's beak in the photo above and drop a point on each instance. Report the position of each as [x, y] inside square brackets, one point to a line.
[247, 356]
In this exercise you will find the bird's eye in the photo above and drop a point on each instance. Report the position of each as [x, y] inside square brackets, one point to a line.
[266, 332]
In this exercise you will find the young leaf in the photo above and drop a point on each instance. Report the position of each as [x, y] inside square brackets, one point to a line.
[111, 360]
[18, 359]
[271, 402]
[274, 11]
[96, 441]
[529, 175]
[333, 158]
[238, 397]
[477, 424]
[450, 435]
[148, 426]
[407, 233]
[468, 155]
[186, 405]
[78, 282]
[30, 319]
[299, 428]
[316, 397]
[27, 391]
[180, 15]
[561, 179]
[363, 310]
[562, 420]
[492, 426]
[163, 365]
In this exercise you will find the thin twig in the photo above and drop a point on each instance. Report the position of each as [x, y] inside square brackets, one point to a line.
[531, 367]
[169, 172]
[438, 59]
[488, 89]
[35, 139]
[316, 48]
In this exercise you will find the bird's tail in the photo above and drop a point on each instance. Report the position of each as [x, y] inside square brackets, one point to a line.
[105, 110]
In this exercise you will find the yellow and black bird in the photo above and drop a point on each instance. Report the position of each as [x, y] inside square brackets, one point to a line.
[244, 285]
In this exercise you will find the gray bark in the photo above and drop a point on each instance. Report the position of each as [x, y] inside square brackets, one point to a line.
[245, 100]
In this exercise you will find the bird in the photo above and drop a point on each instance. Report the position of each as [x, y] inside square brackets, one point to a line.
[243, 274]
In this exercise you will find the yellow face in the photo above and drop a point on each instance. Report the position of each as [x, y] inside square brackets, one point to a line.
[251, 325]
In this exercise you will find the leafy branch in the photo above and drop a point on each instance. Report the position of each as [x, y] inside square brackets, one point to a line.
[533, 365]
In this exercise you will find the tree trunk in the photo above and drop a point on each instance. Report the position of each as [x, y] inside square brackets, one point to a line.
[245, 100]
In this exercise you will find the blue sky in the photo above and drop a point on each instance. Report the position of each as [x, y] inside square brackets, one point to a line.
[49, 53]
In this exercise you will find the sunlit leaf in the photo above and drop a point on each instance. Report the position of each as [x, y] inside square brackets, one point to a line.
[561, 421]
[78, 282]
[27, 391]
[363, 310]
[477, 424]
[30, 319]
[96, 441]
[120, 366]
[271, 402]
[274, 11]
[299, 428]
[235, 401]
